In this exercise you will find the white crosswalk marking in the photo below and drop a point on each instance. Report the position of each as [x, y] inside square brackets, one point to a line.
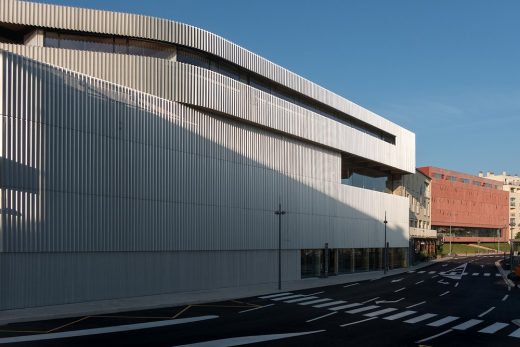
[443, 321]
[330, 304]
[419, 272]
[362, 309]
[493, 328]
[498, 274]
[465, 274]
[431, 272]
[468, 324]
[476, 273]
[313, 301]
[337, 308]
[274, 295]
[288, 297]
[487, 274]
[515, 333]
[380, 312]
[421, 318]
[304, 298]
[400, 315]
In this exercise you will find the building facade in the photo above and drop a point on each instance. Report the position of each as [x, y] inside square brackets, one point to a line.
[423, 239]
[511, 184]
[467, 208]
[143, 156]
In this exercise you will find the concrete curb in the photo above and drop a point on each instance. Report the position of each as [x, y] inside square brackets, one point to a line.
[509, 283]
[187, 298]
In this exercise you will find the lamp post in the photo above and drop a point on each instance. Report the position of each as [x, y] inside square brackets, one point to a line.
[386, 248]
[279, 213]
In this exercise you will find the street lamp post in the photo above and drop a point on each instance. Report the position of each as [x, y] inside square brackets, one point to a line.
[386, 248]
[279, 213]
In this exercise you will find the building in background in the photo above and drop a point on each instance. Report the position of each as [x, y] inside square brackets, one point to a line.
[511, 184]
[423, 239]
[467, 208]
[142, 156]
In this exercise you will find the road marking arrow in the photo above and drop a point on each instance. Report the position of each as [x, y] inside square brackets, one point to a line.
[388, 301]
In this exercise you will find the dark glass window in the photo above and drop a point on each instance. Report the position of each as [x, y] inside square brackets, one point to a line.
[345, 261]
[311, 260]
[360, 259]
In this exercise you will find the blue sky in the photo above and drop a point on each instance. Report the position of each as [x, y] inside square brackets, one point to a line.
[447, 70]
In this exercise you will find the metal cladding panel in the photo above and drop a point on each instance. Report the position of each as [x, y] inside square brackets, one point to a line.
[203, 88]
[95, 21]
[94, 166]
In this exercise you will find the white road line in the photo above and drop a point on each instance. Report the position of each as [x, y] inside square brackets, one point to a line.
[397, 280]
[288, 297]
[330, 304]
[431, 272]
[493, 328]
[337, 308]
[320, 317]
[476, 273]
[256, 308]
[315, 293]
[313, 302]
[445, 265]
[274, 295]
[380, 312]
[105, 330]
[468, 324]
[443, 321]
[421, 318]
[420, 303]
[465, 273]
[456, 284]
[362, 309]
[434, 336]
[487, 274]
[446, 292]
[498, 274]
[400, 315]
[421, 272]
[359, 321]
[350, 285]
[419, 282]
[305, 298]
[246, 340]
[435, 276]
[398, 290]
[515, 333]
[364, 302]
[411, 271]
[442, 282]
[486, 312]
[505, 297]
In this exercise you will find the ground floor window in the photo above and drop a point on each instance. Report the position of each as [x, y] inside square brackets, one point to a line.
[314, 262]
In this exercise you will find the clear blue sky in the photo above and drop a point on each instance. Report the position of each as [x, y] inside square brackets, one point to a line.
[447, 70]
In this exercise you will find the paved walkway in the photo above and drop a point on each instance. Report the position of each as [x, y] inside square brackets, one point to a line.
[186, 298]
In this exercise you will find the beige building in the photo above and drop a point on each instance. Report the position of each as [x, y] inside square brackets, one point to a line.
[417, 188]
[511, 184]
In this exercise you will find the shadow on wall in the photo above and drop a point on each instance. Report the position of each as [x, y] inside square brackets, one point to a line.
[140, 195]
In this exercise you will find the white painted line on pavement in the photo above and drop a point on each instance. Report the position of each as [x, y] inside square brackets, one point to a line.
[380, 312]
[397, 280]
[314, 293]
[468, 324]
[305, 298]
[337, 308]
[421, 272]
[443, 321]
[411, 271]
[505, 297]
[359, 321]
[456, 284]
[398, 290]
[515, 333]
[350, 285]
[442, 282]
[434, 336]
[362, 309]
[330, 304]
[421, 318]
[476, 273]
[446, 292]
[442, 266]
[420, 303]
[435, 276]
[274, 295]
[465, 273]
[246, 340]
[498, 274]
[288, 297]
[364, 302]
[104, 330]
[493, 328]
[313, 302]
[320, 317]
[487, 274]
[431, 272]
[400, 315]
[256, 308]
[486, 312]
[419, 282]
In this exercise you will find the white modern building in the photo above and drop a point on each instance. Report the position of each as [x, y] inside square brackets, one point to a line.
[142, 156]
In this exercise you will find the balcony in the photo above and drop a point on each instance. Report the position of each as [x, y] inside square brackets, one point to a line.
[423, 233]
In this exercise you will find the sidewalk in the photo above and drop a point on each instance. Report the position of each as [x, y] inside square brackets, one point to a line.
[185, 298]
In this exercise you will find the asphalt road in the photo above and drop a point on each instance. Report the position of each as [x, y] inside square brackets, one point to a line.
[461, 302]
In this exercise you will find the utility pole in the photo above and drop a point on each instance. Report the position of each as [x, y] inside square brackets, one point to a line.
[279, 213]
